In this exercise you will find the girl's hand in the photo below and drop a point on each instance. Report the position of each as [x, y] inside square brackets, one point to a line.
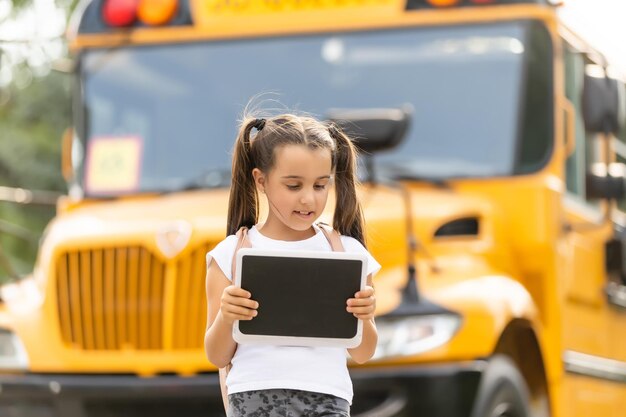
[363, 305]
[237, 305]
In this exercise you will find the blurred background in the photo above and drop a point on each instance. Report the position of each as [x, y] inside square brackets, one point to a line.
[522, 278]
[34, 111]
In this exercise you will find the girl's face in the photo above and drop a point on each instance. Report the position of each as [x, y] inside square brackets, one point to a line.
[296, 189]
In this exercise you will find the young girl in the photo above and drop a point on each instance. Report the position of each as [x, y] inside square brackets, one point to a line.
[293, 160]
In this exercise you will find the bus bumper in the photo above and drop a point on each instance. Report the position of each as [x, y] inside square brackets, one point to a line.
[435, 391]
[44, 395]
[447, 390]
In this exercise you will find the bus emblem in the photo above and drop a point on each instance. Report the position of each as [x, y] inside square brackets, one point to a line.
[173, 238]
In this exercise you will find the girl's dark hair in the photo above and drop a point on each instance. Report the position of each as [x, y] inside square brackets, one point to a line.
[259, 152]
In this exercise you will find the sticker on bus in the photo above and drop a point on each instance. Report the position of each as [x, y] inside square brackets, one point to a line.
[113, 165]
[210, 11]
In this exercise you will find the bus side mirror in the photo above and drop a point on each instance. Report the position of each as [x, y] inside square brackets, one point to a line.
[373, 130]
[569, 126]
[66, 154]
[606, 184]
[614, 259]
[603, 102]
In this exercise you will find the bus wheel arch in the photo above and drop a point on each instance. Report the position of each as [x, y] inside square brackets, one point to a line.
[519, 344]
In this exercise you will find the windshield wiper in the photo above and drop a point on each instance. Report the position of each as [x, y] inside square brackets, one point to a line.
[399, 173]
[212, 178]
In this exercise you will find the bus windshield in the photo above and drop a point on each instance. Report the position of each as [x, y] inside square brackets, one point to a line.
[181, 102]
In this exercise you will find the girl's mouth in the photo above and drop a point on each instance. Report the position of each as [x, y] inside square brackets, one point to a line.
[304, 214]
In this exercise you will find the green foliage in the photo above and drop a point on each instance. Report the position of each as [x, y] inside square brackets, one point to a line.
[31, 125]
[33, 114]
[19, 5]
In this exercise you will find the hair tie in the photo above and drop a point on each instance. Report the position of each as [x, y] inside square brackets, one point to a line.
[258, 124]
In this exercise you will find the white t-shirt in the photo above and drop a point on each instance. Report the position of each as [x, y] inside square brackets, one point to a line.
[316, 369]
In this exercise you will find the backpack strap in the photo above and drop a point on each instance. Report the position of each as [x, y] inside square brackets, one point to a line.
[242, 242]
[333, 237]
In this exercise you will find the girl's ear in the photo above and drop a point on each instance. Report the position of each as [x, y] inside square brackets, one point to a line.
[259, 179]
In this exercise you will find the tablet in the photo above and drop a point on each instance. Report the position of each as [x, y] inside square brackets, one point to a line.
[302, 297]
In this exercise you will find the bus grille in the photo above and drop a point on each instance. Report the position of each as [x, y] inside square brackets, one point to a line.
[189, 317]
[127, 298]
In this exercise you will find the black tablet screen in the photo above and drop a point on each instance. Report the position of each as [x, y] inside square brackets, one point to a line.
[301, 297]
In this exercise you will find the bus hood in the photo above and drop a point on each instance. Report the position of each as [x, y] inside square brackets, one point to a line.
[193, 213]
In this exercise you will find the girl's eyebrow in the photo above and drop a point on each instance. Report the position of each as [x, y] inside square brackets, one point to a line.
[297, 177]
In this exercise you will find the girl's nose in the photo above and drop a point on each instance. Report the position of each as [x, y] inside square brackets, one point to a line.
[306, 197]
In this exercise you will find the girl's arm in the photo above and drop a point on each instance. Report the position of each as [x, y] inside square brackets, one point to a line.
[363, 307]
[225, 304]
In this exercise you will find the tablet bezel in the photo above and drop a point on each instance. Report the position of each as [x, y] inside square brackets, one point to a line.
[299, 340]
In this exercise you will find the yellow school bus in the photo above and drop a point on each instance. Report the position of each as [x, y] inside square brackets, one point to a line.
[492, 188]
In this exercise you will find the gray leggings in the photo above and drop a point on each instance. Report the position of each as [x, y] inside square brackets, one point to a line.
[286, 403]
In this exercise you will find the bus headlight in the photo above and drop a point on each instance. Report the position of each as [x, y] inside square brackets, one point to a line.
[12, 353]
[411, 335]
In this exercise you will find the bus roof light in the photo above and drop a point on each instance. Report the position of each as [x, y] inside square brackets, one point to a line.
[157, 12]
[443, 3]
[119, 12]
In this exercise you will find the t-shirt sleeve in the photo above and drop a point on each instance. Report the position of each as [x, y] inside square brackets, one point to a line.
[222, 254]
[350, 244]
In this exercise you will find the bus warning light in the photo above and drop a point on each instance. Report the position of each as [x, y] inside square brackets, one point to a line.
[120, 12]
[157, 12]
[443, 3]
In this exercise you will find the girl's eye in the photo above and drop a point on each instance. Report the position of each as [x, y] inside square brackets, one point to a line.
[293, 187]
[320, 186]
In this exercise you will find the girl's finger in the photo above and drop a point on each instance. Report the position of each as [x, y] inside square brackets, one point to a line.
[235, 291]
[232, 309]
[365, 292]
[243, 302]
[239, 317]
[361, 301]
[361, 310]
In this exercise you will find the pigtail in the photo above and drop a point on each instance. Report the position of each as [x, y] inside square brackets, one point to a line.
[243, 202]
[348, 217]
